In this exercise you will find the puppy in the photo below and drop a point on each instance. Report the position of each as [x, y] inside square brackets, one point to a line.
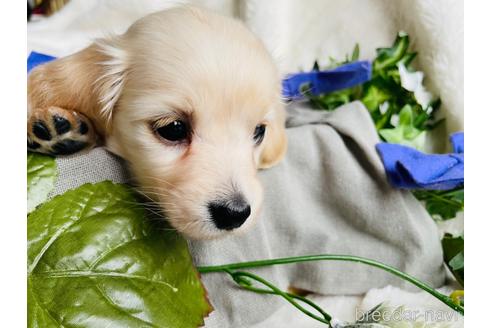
[190, 99]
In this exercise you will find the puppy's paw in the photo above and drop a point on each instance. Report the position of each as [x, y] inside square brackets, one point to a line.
[57, 131]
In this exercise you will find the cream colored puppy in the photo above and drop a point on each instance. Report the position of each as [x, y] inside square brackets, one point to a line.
[190, 99]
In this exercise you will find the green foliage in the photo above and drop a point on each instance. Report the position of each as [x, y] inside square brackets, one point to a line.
[387, 58]
[405, 133]
[389, 95]
[41, 176]
[454, 255]
[442, 205]
[94, 260]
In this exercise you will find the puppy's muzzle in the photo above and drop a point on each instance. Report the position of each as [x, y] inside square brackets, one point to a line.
[229, 214]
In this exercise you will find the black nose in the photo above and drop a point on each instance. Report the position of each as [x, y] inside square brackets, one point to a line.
[231, 214]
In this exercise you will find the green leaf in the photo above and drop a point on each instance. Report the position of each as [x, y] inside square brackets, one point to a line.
[408, 58]
[454, 253]
[442, 205]
[457, 262]
[95, 260]
[374, 95]
[355, 53]
[41, 177]
[387, 57]
[405, 133]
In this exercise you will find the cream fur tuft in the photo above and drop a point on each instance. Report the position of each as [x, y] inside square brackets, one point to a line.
[113, 77]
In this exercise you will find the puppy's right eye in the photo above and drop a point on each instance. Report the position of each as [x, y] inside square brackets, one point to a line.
[174, 131]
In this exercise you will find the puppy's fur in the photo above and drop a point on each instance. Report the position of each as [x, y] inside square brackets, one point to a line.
[183, 64]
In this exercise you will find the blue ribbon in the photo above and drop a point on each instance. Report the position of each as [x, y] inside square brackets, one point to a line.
[342, 77]
[408, 168]
[36, 59]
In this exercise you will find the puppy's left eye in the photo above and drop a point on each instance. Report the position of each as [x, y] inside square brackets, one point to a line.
[175, 131]
[259, 133]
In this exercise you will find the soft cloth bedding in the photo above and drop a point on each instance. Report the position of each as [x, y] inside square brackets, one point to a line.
[332, 183]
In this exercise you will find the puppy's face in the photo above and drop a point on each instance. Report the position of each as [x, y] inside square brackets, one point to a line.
[197, 113]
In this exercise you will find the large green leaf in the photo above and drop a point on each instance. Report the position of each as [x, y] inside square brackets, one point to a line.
[41, 176]
[95, 260]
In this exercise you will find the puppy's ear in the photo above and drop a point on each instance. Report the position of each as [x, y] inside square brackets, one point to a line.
[275, 143]
[89, 82]
[113, 69]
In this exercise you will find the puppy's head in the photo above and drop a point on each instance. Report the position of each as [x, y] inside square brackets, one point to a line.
[192, 101]
[194, 106]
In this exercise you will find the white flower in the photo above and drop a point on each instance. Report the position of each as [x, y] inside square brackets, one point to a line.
[395, 120]
[383, 108]
[412, 81]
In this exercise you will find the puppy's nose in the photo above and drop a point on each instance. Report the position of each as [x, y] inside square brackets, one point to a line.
[231, 214]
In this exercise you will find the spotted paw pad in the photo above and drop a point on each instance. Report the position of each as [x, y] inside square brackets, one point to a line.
[57, 131]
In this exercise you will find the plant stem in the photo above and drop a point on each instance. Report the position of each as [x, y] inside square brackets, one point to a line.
[327, 257]
[238, 277]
